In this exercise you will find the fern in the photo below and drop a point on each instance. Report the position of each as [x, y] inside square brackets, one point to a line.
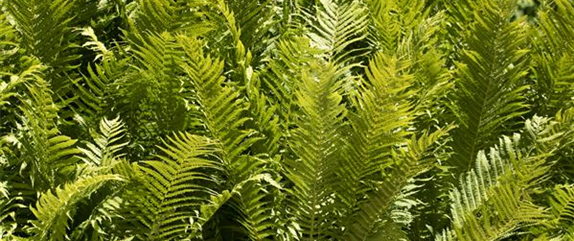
[160, 16]
[418, 157]
[223, 113]
[43, 24]
[489, 83]
[314, 167]
[493, 201]
[335, 26]
[105, 151]
[553, 70]
[379, 125]
[393, 21]
[53, 209]
[43, 148]
[174, 186]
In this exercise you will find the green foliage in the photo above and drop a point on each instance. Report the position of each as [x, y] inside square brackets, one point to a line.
[53, 208]
[286, 120]
[490, 82]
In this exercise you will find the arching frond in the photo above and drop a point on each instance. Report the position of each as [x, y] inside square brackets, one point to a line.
[260, 19]
[53, 209]
[314, 142]
[279, 79]
[8, 42]
[152, 95]
[489, 83]
[335, 26]
[158, 16]
[174, 187]
[384, 114]
[493, 201]
[418, 157]
[561, 208]
[223, 113]
[43, 148]
[554, 71]
[97, 91]
[43, 25]
[104, 151]
[393, 21]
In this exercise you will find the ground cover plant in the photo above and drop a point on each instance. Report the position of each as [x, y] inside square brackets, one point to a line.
[286, 120]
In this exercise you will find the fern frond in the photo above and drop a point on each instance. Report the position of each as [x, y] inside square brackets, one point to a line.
[44, 149]
[53, 209]
[554, 69]
[222, 108]
[152, 95]
[489, 83]
[9, 41]
[44, 26]
[314, 142]
[279, 79]
[98, 88]
[223, 114]
[392, 22]
[158, 16]
[493, 201]
[557, 25]
[384, 114]
[561, 206]
[103, 153]
[259, 19]
[335, 26]
[174, 186]
[418, 157]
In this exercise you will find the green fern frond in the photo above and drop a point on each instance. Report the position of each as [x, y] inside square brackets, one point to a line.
[9, 41]
[104, 151]
[43, 26]
[561, 206]
[174, 186]
[53, 209]
[44, 149]
[557, 24]
[489, 83]
[151, 93]
[392, 22]
[493, 200]
[279, 79]
[222, 109]
[96, 90]
[384, 114]
[223, 115]
[554, 69]
[416, 158]
[259, 19]
[313, 168]
[335, 26]
[158, 16]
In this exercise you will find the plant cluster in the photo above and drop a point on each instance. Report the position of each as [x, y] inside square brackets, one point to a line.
[286, 120]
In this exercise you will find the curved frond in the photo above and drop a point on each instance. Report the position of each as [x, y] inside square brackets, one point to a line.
[493, 201]
[175, 186]
[158, 16]
[314, 142]
[489, 84]
[53, 209]
[103, 152]
[416, 158]
[384, 114]
[44, 149]
[335, 26]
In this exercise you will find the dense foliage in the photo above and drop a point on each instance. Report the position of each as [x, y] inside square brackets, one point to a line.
[286, 120]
